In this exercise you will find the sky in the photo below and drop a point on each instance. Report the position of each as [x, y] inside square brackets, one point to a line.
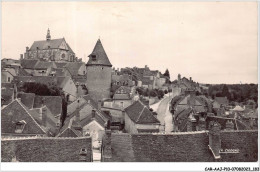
[212, 42]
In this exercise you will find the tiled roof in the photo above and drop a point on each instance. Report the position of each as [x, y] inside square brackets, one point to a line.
[53, 44]
[7, 95]
[50, 120]
[68, 130]
[46, 149]
[181, 147]
[15, 112]
[61, 64]
[140, 114]
[47, 80]
[62, 80]
[101, 56]
[28, 64]
[123, 89]
[22, 72]
[53, 103]
[147, 81]
[74, 67]
[80, 79]
[27, 99]
[121, 97]
[44, 65]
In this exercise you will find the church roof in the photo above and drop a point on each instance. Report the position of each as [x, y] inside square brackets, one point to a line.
[101, 56]
[45, 44]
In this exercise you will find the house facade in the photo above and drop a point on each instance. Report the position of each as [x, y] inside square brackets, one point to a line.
[139, 119]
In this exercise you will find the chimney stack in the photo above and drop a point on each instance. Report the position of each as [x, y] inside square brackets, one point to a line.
[106, 147]
[77, 117]
[21, 56]
[214, 139]
[202, 124]
[190, 78]
[229, 125]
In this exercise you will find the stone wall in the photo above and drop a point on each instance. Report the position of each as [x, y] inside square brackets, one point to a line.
[99, 81]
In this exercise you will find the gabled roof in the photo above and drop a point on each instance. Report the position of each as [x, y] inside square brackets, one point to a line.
[7, 94]
[62, 80]
[44, 65]
[74, 67]
[27, 99]
[45, 44]
[28, 63]
[22, 72]
[101, 56]
[238, 108]
[61, 64]
[140, 114]
[53, 103]
[68, 130]
[15, 112]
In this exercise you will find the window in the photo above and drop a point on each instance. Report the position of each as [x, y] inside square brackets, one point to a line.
[57, 124]
[94, 57]
[63, 56]
[8, 79]
[19, 126]
[84, 72]
[122, 104]
[102, 68]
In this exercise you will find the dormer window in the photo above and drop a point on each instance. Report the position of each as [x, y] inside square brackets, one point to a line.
[93, 57]
[83, 154]
[19, 126]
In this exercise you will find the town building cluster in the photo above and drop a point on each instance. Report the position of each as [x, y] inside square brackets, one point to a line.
[63, 109]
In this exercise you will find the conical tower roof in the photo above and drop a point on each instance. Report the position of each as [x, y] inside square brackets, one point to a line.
[100, 56]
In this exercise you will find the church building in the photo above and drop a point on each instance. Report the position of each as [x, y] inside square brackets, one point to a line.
[50, 50]
[99, 73]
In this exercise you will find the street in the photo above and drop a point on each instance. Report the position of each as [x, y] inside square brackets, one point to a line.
[162, 109]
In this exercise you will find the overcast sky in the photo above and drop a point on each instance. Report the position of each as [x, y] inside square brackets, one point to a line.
[213, 42]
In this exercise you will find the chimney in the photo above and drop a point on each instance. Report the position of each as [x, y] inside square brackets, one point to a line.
[191, 123]
[229, 125]
[146, 66]
[190, 78]
[202, 124]
[77, 117]
[99, 105]
[21, 56]
[44, 116]
[214, 139]
[27, 49]
[106, 147]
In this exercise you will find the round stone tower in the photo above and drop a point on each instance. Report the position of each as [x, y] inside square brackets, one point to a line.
[99, 75]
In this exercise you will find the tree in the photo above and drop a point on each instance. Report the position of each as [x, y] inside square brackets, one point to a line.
[167, 75]
[225, 91]
[44, 90]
